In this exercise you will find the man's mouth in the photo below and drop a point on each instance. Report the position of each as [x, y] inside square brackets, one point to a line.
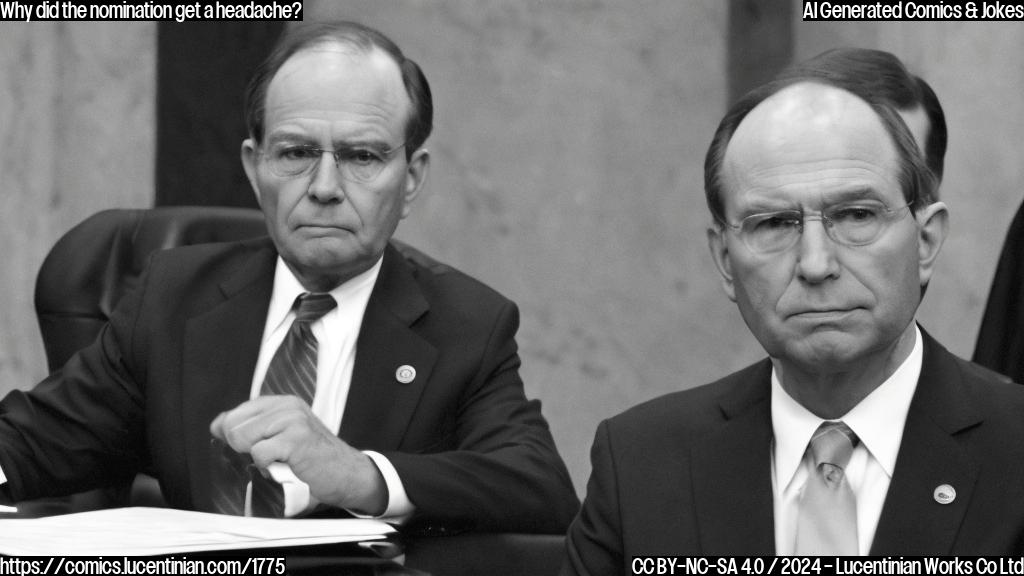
[822, 313]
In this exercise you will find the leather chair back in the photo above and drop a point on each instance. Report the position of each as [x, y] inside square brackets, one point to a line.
[97, 261]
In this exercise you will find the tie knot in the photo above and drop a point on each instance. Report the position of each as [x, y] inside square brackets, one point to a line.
[311, 307]
[832, 443]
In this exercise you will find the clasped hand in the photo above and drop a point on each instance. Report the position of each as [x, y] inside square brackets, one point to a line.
[284, 429]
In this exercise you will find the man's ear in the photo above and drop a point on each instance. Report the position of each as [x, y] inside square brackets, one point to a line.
[933, 225]
[250, 157]
[415, 176]
[720, 254]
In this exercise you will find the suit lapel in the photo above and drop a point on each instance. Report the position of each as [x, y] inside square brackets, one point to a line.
[220, 352]
[731, 471]
[930, 456]
[380, 406]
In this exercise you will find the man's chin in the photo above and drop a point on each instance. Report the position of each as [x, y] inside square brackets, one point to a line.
[332, 253]
[832, 350]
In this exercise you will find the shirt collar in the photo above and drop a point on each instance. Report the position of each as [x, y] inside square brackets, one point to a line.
[287, 288]
[878, 419]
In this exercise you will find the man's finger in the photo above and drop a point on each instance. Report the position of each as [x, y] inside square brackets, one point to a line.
[270, 450]
[248, 422]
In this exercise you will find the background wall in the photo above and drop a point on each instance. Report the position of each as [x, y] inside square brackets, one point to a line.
[76, 136]
[567, 162]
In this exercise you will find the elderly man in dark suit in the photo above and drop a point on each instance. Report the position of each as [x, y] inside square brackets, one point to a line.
[322, 370]
[859, 434]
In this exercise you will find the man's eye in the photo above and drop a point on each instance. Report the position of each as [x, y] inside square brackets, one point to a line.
[778, 221]
[855, 214]
[297, 153]
[361, 157]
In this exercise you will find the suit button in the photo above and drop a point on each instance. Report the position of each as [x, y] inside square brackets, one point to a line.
[405, 374]
[944, 494]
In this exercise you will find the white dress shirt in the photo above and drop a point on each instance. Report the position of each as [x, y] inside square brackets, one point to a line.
[336, 333]
[878, 422]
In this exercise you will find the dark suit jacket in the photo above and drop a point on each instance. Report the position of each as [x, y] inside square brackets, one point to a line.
[1000, 344]
[689, 473]
[472, 452]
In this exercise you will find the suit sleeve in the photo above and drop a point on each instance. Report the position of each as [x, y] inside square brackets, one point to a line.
[504, 472]
[80, 428]
[594, 542]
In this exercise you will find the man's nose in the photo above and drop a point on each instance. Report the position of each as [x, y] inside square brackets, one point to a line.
[326, 185]
[816, 255]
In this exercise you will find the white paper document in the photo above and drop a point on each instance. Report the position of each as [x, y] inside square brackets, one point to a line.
[160, 531]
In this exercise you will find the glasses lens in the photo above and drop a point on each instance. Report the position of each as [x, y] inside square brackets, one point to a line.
[361, 165]
[857, 225]
[288, 161]
[766, 233]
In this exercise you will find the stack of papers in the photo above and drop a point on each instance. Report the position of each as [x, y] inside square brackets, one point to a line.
[161, 531]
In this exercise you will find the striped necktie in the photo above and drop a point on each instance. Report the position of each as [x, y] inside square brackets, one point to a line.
[292, 371]
[827, 518]
[293, 368]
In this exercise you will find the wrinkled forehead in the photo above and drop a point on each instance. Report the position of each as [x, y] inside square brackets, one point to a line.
[811, 129]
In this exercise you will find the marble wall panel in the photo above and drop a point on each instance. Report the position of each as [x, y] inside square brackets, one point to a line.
[77, 136]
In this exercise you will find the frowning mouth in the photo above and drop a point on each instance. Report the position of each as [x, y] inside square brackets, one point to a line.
[322, 228]
[823, 314]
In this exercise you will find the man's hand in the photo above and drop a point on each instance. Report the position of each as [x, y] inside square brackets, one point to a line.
[284, 429]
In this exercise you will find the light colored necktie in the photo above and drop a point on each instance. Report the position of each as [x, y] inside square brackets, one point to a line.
[827, 519]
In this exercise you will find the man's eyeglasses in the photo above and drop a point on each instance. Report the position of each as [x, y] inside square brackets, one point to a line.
[356, 164]
[850, 224]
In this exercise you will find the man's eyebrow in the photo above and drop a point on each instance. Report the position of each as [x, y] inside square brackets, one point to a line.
[852, 195]
[769, 205]
[290, 136]
[766, 205]
[374, 143]
[378, 145]
[306, 139]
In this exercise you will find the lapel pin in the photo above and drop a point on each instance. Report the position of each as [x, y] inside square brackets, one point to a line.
[944, 494]
[405, 374]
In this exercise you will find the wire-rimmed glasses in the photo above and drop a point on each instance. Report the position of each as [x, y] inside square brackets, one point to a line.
[849, 224]
[354, 164]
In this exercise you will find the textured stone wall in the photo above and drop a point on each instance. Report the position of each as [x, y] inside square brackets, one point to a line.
[76, 136]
